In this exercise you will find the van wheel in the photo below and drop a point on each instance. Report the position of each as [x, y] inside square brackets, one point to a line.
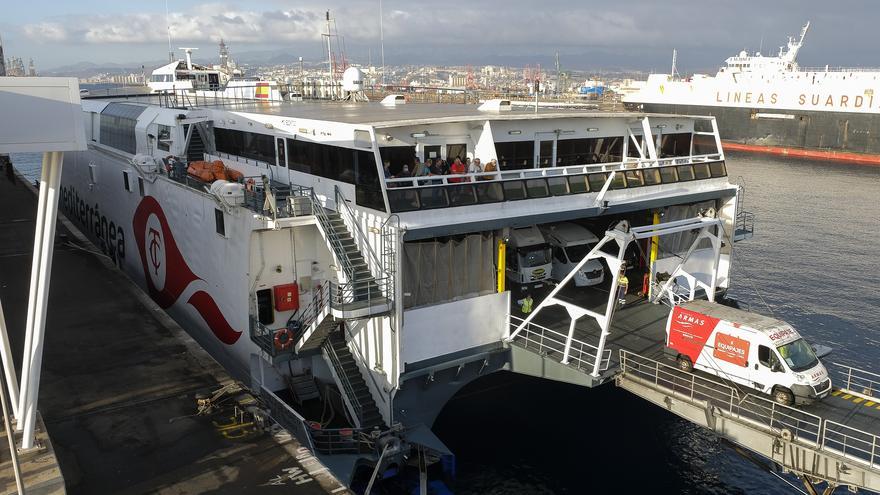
[685, 364]
[783, 396]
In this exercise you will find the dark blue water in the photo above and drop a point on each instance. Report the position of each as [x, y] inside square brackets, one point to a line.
[812, 263]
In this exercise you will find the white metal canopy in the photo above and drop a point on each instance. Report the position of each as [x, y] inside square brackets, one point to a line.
[622, 234]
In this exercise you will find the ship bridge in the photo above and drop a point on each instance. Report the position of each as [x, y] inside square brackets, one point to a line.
[589, 339]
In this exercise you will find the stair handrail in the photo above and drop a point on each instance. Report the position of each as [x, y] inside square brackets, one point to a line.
[359, 357]
[343, 379]
[332, 237]
[340, 200]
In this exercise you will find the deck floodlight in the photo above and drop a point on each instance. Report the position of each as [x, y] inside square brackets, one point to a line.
[514, 133]
[592, 129]
[419, 134]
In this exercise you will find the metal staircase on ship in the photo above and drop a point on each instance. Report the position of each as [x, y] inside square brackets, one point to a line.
[365, 289]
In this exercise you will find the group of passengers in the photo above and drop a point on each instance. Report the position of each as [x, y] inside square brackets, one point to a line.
[438, 166]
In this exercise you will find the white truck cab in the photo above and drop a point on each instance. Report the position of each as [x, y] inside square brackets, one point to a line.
[570, 243]
[529, 258]
[748, 349]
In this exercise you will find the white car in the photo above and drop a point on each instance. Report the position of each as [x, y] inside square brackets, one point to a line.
[570, 243]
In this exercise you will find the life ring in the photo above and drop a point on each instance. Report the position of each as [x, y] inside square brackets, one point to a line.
[283, 339]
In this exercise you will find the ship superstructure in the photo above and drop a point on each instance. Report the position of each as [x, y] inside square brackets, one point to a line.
[291, 241]
[771, 101]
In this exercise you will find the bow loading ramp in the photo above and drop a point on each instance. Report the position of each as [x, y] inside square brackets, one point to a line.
[589, 340]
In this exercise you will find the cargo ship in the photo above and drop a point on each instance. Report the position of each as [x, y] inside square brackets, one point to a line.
[770, 104]
[307, 247]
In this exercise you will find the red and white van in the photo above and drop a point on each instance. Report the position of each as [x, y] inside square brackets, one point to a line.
[748, 349]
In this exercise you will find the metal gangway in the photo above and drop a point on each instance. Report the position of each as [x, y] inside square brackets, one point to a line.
[834, 441]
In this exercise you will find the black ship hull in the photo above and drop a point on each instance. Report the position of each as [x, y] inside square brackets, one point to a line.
[809, 130]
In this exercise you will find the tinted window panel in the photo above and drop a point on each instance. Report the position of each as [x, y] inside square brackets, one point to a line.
[461, 195]
[597, 181]
[685, 172]
[513, 190]
[558, 186]
[490, 192]
[717, 169]
[668, 175]
[368, 190]
[537, 188]
[651, 176]
[403, 200]
[578, 184]
[701, 171]
[433, 197]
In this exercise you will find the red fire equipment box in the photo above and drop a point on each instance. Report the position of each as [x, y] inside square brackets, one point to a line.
[286, 297]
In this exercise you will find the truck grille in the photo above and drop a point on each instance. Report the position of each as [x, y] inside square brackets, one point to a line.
[822, 387]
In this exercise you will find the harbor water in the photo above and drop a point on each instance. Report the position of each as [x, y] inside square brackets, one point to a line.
[810, 263]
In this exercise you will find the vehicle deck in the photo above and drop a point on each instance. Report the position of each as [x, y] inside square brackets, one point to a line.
[640, 327]
[119, 380]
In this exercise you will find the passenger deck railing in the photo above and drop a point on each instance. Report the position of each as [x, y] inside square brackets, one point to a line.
[440, 191]
[857, 381]
[551, 343]
[803, 427]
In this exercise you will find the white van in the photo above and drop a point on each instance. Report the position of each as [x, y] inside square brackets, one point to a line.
[570, 243]
[748, 349]
[528, 258]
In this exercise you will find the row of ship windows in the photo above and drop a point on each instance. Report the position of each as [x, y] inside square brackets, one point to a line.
[428, 197]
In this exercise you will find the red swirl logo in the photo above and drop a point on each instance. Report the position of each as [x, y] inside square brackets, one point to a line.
[166, 272]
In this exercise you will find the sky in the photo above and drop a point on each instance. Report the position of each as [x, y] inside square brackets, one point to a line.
[587, 34]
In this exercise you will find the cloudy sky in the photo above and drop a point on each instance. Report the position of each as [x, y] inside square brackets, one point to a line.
[635, 34]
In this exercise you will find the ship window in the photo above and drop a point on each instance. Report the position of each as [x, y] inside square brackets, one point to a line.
[717, 169]
[163, 138]
[618, 182]
[118, 121]
[597, 181]
[335, 163]
[368, 190]
[219, 222]
[513, 190]
[634, 178]
[282, 158]
[404, 200]
[587, 151]
[685, 172]
[705, 145]
[141, 186]
[558, 186]
[578, 184]
[652, 176]
[399, 156]
[515, 155]
[701, 171]
[633, 150]
[251, 145]
[461, 195]
[675, 145]
[490, 192]
[537, 188]
[434, 197]
[668, 175]
[125, 181]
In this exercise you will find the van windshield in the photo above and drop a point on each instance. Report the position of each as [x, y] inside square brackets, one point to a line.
[799, 355]
[533, 256]
[577, 253]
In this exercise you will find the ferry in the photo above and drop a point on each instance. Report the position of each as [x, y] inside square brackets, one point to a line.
[770, 104]
[290, 240]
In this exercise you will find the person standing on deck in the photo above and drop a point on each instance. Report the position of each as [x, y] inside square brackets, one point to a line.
[525, 304]
[456, 169]
[622, 285]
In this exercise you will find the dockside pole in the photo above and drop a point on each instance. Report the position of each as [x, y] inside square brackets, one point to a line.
[31, 388]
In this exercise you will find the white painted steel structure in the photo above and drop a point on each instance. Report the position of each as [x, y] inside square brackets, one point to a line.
[31, 100]
[621, 236]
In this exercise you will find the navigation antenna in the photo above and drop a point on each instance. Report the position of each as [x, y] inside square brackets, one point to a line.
[329, 50]
[382, 42]
[168, 28]
[674, 59]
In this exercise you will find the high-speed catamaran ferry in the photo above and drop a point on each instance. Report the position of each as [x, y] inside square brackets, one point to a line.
[309, 250]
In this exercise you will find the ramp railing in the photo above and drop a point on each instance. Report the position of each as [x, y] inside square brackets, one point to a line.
[803, 427]
[859, 382]
[551, 343]
[758, 411]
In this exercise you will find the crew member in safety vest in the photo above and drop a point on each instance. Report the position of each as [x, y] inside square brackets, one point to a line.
[525, 304]
[622, 285]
